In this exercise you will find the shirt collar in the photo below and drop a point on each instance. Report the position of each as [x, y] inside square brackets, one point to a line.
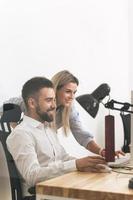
[33, 122]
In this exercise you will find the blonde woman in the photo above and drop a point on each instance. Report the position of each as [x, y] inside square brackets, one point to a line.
[65, 86]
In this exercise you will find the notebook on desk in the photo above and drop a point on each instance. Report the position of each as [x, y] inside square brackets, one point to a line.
[123, 161]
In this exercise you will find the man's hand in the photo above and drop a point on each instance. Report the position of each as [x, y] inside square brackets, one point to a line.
[90, 163]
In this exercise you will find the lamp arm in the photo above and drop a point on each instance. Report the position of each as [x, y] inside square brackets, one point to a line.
[124, 108]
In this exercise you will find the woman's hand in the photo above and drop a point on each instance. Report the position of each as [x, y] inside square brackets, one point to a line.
[117, 153]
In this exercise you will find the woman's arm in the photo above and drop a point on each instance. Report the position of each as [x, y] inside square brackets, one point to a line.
[82, 136]
[94, 147]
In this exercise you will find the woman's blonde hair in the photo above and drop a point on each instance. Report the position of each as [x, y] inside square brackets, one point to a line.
[59, 80]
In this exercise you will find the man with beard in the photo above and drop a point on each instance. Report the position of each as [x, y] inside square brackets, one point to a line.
[34, 145]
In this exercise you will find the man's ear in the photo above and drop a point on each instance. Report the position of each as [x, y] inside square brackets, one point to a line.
[31, 103]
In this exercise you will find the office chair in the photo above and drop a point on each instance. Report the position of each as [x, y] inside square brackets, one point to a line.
[12, 113]
[126, 120]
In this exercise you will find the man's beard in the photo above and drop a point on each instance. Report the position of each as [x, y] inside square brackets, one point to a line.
[44, 116]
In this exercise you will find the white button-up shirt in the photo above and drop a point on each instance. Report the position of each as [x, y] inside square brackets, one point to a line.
[80, 133]
[37, 153]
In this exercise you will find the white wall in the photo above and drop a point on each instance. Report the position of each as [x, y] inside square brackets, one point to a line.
[130, 31]
[87, 37]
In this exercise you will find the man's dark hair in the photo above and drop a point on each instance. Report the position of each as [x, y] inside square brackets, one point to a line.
[33, 86]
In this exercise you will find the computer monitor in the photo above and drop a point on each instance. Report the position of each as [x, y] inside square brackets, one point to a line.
[131, 145]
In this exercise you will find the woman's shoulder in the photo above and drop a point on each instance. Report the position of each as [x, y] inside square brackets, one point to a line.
[74, 110]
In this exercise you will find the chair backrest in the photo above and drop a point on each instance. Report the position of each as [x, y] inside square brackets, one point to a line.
[11, 115]
[126, 119]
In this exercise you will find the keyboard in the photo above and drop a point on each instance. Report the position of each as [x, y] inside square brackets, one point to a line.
[120, 162]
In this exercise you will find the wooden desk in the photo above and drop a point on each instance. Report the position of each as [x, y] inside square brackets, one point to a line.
[82, 185]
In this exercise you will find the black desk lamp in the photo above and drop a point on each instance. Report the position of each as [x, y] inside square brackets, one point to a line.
[90, 102]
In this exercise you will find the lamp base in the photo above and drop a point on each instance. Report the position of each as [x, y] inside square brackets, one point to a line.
[109, 138]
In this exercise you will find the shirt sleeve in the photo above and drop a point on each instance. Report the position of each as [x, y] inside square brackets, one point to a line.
[23, 150]
[82, 136]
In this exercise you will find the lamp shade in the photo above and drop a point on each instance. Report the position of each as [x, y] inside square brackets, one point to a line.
[101, 91]
[90, 102]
